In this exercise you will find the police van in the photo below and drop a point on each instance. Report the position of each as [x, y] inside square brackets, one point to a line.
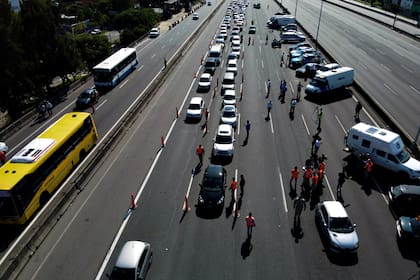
[386, 149]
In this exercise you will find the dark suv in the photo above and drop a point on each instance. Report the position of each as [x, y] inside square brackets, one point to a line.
[405, 200]
[211, 65]
[212, 188]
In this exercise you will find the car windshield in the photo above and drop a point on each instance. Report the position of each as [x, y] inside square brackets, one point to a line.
[204, 79]
[210, 64]
[211, 183]
[222, 139]
[194, 107]
[229, 97]
[341, 225]
[123, 273]
[403, 156]
[228, 114]
[228, 82]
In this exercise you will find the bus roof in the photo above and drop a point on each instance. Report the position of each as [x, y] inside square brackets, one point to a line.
[115, 58]
[30, 157]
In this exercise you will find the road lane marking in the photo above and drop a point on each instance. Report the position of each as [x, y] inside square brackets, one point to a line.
[100, 105]
[341, 125]
[406, 68]
[282, 189]
[329, 187]
[235, 195]
[386, 67]
[271, 124]
[238, 126]
[391, 90]
[259, 47]
[141, 67]
[123, 84]
[262, 64]
[415, 90]
[306, 126]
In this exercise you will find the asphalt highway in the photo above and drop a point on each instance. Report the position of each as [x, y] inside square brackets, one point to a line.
[88, 237]
[386, 62]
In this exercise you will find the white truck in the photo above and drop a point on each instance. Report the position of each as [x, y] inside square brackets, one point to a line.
[278, 21]
[330, 80]
[385, 148]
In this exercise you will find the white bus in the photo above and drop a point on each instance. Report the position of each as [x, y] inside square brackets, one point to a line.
[115, 68]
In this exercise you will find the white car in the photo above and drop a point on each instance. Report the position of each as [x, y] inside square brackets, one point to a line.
[195, 16]
[223, 143]
[220, 41]
[195, 109]
[252, 29]
[229, 98]
[228, 115]
[236, 38]
[3, 147]
[236, 47]
[335, 225]
[232, 66]
[223, 32]
[154, 32]
[204, 83]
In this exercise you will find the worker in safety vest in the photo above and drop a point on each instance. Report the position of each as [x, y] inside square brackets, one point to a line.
[250, 223]
[295, 175]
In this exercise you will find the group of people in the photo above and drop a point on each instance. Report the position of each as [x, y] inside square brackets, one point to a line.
[45, 107]
[313, 174]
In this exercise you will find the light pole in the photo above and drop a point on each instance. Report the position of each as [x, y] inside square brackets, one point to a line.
[295, 7]
[319, 22]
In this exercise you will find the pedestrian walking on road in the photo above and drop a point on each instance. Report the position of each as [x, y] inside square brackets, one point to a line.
[200, 153]
[316, 145]
[295, 176]
[320, 113]
[242, 184]
[299, 89]
[282, 60]
[293, 103]
[250, 223]
[341, 180]
[300, 205]
[269, 107]
[268, 88]
[49, 107]
[206, 114]
[233, 187]
[357, 111]
[247, 128]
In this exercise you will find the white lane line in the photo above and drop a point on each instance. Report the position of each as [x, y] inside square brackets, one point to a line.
[306, 126]
[163, 46]
[242, 64]
[260, 49]
[406, 68]
[141, 67]
[271, 124]
[187, 194]
[390, 89]
[386, 67]
[329, 187]
[363, 65]
[238, 126]
[153, 55]
[282, 189]
[100, 105]
[341, 125]
[262, 64]
[235, 195]
[415, 90]
[123, 84]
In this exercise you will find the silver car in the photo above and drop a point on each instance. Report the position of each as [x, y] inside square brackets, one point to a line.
[336, 227]
[133, 261]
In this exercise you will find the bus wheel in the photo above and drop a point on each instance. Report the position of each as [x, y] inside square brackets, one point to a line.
[45, 196]
[82, 155]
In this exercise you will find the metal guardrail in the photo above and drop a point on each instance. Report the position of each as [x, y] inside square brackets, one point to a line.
[23, 249]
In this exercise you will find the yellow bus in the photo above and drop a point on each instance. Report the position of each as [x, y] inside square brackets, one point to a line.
[29, 178]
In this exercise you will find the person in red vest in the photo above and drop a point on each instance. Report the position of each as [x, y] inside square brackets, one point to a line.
[250, 223]
[200, 153]
[314, 181]
[368, 168]
[295, 175]
[307, 177]
[233, 187]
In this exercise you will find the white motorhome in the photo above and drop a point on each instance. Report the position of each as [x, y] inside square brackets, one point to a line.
[216, 51]
[330, 80]
[385, 147]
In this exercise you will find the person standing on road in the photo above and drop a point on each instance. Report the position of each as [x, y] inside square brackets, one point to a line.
[341, 180]
[233, 187]
[300, 205]
[250, 223]
[269, 107]
[200, 153]
[295, 176]
[206, 114]
[247, 128]
[299, 89]
[293, 103]
[368, 168]
[282, 60]
[49, 107]
[268, 88]
[357, 110]
[320, 114]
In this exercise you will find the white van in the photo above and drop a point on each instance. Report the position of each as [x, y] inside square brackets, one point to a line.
[385, 147]
[216, 52]
[228, 81]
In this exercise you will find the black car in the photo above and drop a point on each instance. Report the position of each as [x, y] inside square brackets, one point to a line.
[87, 98]
[408, 229]
[257, 6]
[212, 188]
[211, 65]
[405, 200]
[308, 70]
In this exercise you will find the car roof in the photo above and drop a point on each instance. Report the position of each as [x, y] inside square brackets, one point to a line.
[335, 209]
[155, 29]
[224, 129]
[232, 61]
[229, 75]
[214, 170]
[230, 92]
[130, 254]
[196, 100]
[206, 75]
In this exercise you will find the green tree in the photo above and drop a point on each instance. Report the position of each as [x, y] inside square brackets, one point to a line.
[69, 59]
[93, 49]
[134, 18]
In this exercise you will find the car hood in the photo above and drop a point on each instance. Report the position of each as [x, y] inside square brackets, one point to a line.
[413, 164]
[344, 240]
[193, 112]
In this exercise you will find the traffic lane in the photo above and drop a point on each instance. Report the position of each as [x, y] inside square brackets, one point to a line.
[151, 144]
[345, 20]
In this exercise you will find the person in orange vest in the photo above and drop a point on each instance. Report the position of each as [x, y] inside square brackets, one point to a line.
[295, 175]
[320, 174]
[322, 166]
[307, 177]
[368, 168]
[250, 223]
[206, 114]
[200, 153]
[314, 181]
[233, 187]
